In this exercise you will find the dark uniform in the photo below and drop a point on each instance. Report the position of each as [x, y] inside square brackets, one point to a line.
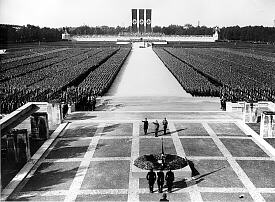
[145, 126]
[169, 180]
[165, 123]
[151, 177]
[156, 128]
[164, 198]
[160, 180]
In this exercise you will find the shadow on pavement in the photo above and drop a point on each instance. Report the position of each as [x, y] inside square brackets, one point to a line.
[168, 133]
[110, 128]
[45, 179]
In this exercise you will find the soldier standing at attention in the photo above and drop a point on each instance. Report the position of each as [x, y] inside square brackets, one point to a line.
[145, 126]
[160, 180]
[151, 177]
[165, 124]
[169, 180]
[156, 128]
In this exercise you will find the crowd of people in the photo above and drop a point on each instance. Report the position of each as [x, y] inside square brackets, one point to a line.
[13, 98]
[255, 94]
[192, 82]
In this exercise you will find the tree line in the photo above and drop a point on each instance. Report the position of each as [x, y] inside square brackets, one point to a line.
[249, 33]
[30, 33]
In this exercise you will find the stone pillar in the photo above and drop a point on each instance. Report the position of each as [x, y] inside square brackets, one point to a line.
[39, 125]
[250, 111]
[55, 116]
[267, 128]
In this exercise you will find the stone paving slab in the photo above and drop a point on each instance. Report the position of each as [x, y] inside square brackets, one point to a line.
[72, 143]
[52, 176]
[102, 197]
[226, 197]
[269, 197]
[67, 152]
[222, 178]
[261, 173]
[226, 129]
[107, 175]
[190, 129]
[37, 197]
[153, 145]
[80, 130]
[243, 147]
[184, 197]
[118, 129]
[113, 148]
[200, 147]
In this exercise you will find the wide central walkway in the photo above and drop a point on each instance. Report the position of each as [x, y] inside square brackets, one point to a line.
[144, 74]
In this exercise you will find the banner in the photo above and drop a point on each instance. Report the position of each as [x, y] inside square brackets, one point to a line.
[148, 20]
[141, 20]
[134, 20]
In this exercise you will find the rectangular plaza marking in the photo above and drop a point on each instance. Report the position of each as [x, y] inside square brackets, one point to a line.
[226, 129]
[113, 148]
[200, 147]
[209, 196]
[80, 130]
[190, 129]
[117, 129]
[261, 172]
[133, 180]
[84, 165]
[243, 148]
[183, 197]
[153, 146]
[67, 152]
[102, 197]
[235, 166]
[225, 177]
[52, 176]
[107, 175]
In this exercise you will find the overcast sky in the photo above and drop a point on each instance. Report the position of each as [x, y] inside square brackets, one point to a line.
[60, 13]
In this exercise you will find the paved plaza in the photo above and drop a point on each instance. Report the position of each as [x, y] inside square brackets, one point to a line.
[92, 160]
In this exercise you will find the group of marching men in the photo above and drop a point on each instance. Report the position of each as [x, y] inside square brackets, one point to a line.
[229, 94]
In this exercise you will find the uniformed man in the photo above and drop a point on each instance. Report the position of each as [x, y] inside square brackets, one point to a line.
[165, 124]
[145, 126]
[156, 128]
[151, 177]
[169, 180]
[160, 180]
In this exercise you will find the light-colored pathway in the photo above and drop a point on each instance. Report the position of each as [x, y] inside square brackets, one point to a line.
[144, 74]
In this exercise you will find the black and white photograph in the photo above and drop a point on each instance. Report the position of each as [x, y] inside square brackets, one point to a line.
[137, 100]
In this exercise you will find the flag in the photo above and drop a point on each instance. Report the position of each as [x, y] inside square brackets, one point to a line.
[134, 20]
[148, 20]
[141, 20]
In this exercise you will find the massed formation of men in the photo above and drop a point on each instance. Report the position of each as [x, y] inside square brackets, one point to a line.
[13, 98]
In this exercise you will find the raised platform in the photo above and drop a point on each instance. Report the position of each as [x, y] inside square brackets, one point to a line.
[92, 159]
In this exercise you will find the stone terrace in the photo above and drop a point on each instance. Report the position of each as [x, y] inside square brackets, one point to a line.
[92, 159]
